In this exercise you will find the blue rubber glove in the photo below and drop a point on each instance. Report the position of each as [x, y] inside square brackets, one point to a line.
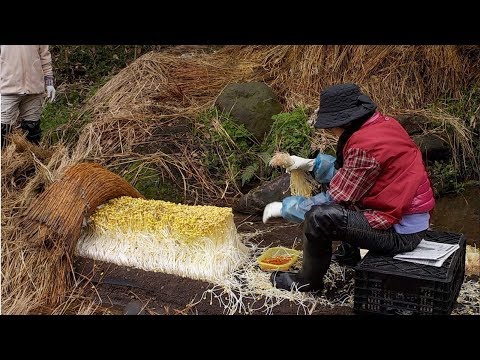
[324, 168]
[294, 208]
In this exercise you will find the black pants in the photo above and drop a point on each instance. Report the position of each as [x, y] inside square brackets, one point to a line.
[32, 130]
[327, 223]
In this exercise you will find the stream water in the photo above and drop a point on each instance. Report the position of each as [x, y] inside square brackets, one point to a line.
[460, 213]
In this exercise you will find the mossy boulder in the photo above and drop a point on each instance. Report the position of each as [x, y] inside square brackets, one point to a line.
[413, 123]
[433, 147]
[252, 104]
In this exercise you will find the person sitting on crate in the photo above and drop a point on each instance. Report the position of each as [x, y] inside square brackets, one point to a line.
[379, 196]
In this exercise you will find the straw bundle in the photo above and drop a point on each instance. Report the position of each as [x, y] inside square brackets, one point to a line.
[166, 84]
[25, 172]
[52, 223]
[56, 216]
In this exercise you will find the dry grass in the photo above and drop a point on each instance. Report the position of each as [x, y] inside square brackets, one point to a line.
[455, 132]
[396, 77]
[472, 261]
[55, 217]
[119, 143]
[40, 232]
[161, 90]
[468, 301]
[168, 85]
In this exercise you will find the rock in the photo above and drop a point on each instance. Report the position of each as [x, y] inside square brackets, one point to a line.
[433, 148]
[256, 199]
[412, 123]
[252, 104]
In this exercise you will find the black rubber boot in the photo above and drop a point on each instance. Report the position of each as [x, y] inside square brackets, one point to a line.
[322, 225]
[6, 129]
[346, 255]
[33, 131]
[309, 279]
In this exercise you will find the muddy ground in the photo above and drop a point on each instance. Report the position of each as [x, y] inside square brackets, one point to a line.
[123, 290]
[126, 290]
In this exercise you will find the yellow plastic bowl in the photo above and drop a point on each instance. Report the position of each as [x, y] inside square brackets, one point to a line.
[278, 251]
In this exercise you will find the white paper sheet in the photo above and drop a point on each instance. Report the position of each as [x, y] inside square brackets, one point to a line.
[429, 253]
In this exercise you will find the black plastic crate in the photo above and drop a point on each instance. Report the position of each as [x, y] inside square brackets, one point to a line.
[384, 285]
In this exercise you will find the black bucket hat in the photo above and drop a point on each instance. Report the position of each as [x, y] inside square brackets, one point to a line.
[340, 104]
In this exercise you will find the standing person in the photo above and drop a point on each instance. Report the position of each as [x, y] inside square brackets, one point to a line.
[26, 72]
[379, 195]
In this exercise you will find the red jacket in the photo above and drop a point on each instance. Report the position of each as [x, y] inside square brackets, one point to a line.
[403, 186]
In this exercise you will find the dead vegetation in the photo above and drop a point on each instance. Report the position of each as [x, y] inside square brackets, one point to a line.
[39, 232]
[396, 77]
[162, 90]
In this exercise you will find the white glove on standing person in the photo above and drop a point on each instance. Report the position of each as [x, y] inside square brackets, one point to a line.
[274, 209]
[301, 164]
[50, 93]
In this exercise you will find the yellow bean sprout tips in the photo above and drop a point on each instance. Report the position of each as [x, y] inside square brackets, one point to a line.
[200, 242]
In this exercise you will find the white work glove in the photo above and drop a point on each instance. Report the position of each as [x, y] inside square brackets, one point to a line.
[301, 164]
[50, 93]
[274, 209]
